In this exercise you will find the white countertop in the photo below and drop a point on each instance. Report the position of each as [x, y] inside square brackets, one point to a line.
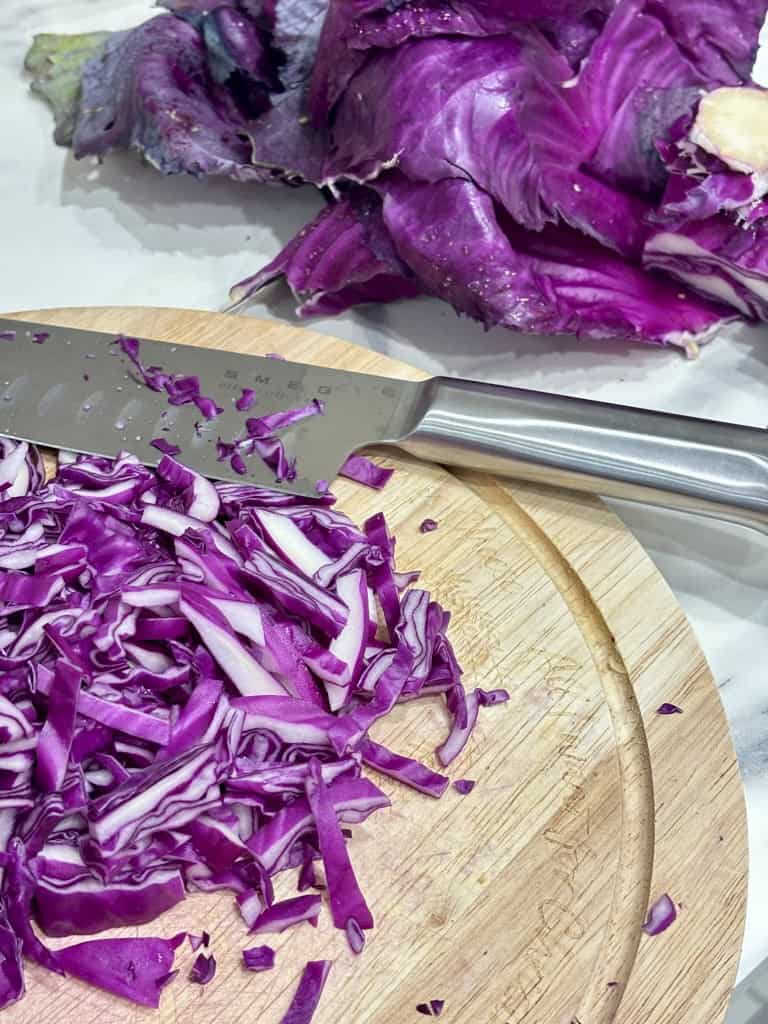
[76, 234]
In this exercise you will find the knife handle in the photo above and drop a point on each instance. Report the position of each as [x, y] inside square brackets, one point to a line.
[692, 465]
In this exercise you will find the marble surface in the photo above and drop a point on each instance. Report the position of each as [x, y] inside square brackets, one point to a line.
[80, 234]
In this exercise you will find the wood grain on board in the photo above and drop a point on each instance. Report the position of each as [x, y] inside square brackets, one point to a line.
[523, 902]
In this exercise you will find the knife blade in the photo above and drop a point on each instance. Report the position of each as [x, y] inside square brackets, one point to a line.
[77, 391]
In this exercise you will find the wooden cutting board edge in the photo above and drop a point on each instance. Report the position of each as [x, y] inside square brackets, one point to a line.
[589, 577]
[586, 551]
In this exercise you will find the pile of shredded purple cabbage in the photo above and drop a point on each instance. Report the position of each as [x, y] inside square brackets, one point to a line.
[188, 674]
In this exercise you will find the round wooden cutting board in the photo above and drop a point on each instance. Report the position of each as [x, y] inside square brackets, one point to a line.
[523, 901]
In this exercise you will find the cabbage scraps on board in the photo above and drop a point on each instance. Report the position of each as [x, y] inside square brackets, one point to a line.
[587, 167]
[259, 436]
[189, 674]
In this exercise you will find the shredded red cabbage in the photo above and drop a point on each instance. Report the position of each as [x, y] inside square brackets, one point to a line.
[307, 995]
[268, 425]
[346, 899]
[362, 470]
[203, 969]
[661, 915]
[259, 436]
[189, 674]
[196, 941]
[246, 401]
[404, 769]
[40, 337]
[165, 446]
[428, 525]
[490, 697]
[464, 786]
[307, 876]
[464, 707]
[166, 979]
[431, 1009]
[137, 969]
[286, 914]
[355, 936]
[259, 958]
[179, 389]
[669, 709]
[7, 335]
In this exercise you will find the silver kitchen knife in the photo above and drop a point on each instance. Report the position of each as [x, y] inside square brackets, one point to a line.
[77, 391]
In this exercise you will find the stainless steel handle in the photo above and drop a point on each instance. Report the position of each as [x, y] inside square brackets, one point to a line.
[693, 465]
